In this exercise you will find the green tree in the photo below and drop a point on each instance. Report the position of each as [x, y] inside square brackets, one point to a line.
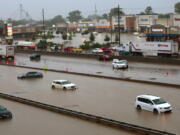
[92, 37]
[177, 8]
[116, 38]
[64, 36]
[114, 12]
[107, 38]
[149, 10]
[74, 16]
[57, 19]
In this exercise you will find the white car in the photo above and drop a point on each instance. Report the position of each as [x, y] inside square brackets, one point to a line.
[152, 103]
[63, 84]
[97, 50]
[119, 64]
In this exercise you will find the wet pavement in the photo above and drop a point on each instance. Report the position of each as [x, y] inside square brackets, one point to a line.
[139, 71]
[28, 120]
[104, 97]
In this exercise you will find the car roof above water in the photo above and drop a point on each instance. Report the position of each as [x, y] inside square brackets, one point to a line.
[151, 97]
[59, 80]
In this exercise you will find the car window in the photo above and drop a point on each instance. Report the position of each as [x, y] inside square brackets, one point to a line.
[2, 108]
[159, 101]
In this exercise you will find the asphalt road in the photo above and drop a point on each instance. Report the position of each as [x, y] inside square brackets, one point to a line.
[108, 98]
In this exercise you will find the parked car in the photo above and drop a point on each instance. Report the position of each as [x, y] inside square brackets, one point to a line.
[119, 64]
[104, 58]
[4, 113]
[32, 74]
[63, 84]
[35, 56]
[97, 50]
[152, 103]
[77, 50]
[107, 50]
[68, 49]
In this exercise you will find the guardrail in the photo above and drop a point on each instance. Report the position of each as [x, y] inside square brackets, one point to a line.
[85, 116]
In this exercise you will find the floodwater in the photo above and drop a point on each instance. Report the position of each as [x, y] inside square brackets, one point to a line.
[139, 71]
[103, 97]
[28, 120]
[78, 39]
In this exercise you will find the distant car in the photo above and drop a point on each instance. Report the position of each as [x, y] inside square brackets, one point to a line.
[63, 84]
[97, 50]
[104, 58]
[68, 49]
[35, 56]
[4, 113]
[119, 64]
[31, 75]
[152, 103]
[107, 50]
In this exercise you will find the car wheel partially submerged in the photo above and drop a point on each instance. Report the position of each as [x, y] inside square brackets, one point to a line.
[53, 87]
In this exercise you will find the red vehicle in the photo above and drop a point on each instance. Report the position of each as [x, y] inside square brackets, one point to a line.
[68, 49]
[107, 50]
[104, 58]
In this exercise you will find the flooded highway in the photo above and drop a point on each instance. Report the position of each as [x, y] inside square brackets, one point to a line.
[104, 97]
[139, 71]
[29, 120]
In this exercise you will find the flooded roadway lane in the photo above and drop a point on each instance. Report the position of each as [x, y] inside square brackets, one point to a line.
[108, 98]
[29, 120]
[139, 71]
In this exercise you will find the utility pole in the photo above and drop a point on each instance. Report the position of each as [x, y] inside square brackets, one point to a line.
[43, 24]
[119, 26]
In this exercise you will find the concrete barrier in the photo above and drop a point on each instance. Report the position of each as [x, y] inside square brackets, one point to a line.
[85, 116]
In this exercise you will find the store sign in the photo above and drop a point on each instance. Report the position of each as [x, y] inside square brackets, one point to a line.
[157, 30]
[177, 19]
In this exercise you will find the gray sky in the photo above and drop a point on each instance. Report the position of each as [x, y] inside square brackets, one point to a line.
[10, 8]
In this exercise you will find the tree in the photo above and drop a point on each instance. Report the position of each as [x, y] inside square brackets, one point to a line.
[116, 38]
[148, 10]
[107, 38]
[177, 8]
[74, 16]
[64, 36]
[92, 37]
[114, 12]
[57, 19]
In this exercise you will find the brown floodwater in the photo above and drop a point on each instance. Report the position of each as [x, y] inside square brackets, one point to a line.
[29, 120]
[104, 97]
[140, 71]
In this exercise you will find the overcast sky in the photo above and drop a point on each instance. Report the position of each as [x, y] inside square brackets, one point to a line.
[11, 8]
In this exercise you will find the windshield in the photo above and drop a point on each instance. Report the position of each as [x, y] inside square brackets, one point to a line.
[2, 108]
[159, 101]
[121, 62]
[65, 82]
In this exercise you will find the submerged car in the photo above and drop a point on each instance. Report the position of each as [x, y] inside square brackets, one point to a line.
[63, 84]
[32, 74]
[152, 103]
[4, 113]
[119, 64]
[35, 56]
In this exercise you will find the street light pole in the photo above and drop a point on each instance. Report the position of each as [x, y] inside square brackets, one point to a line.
[43, 24]
[119, 26]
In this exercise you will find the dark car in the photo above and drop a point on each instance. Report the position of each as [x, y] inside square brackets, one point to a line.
[31, 75]
[35, 56]
[104, 58]
[4, 113]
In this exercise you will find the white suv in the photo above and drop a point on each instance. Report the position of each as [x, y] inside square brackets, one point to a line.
[63, 84]
[152, 103]
[117, 64]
